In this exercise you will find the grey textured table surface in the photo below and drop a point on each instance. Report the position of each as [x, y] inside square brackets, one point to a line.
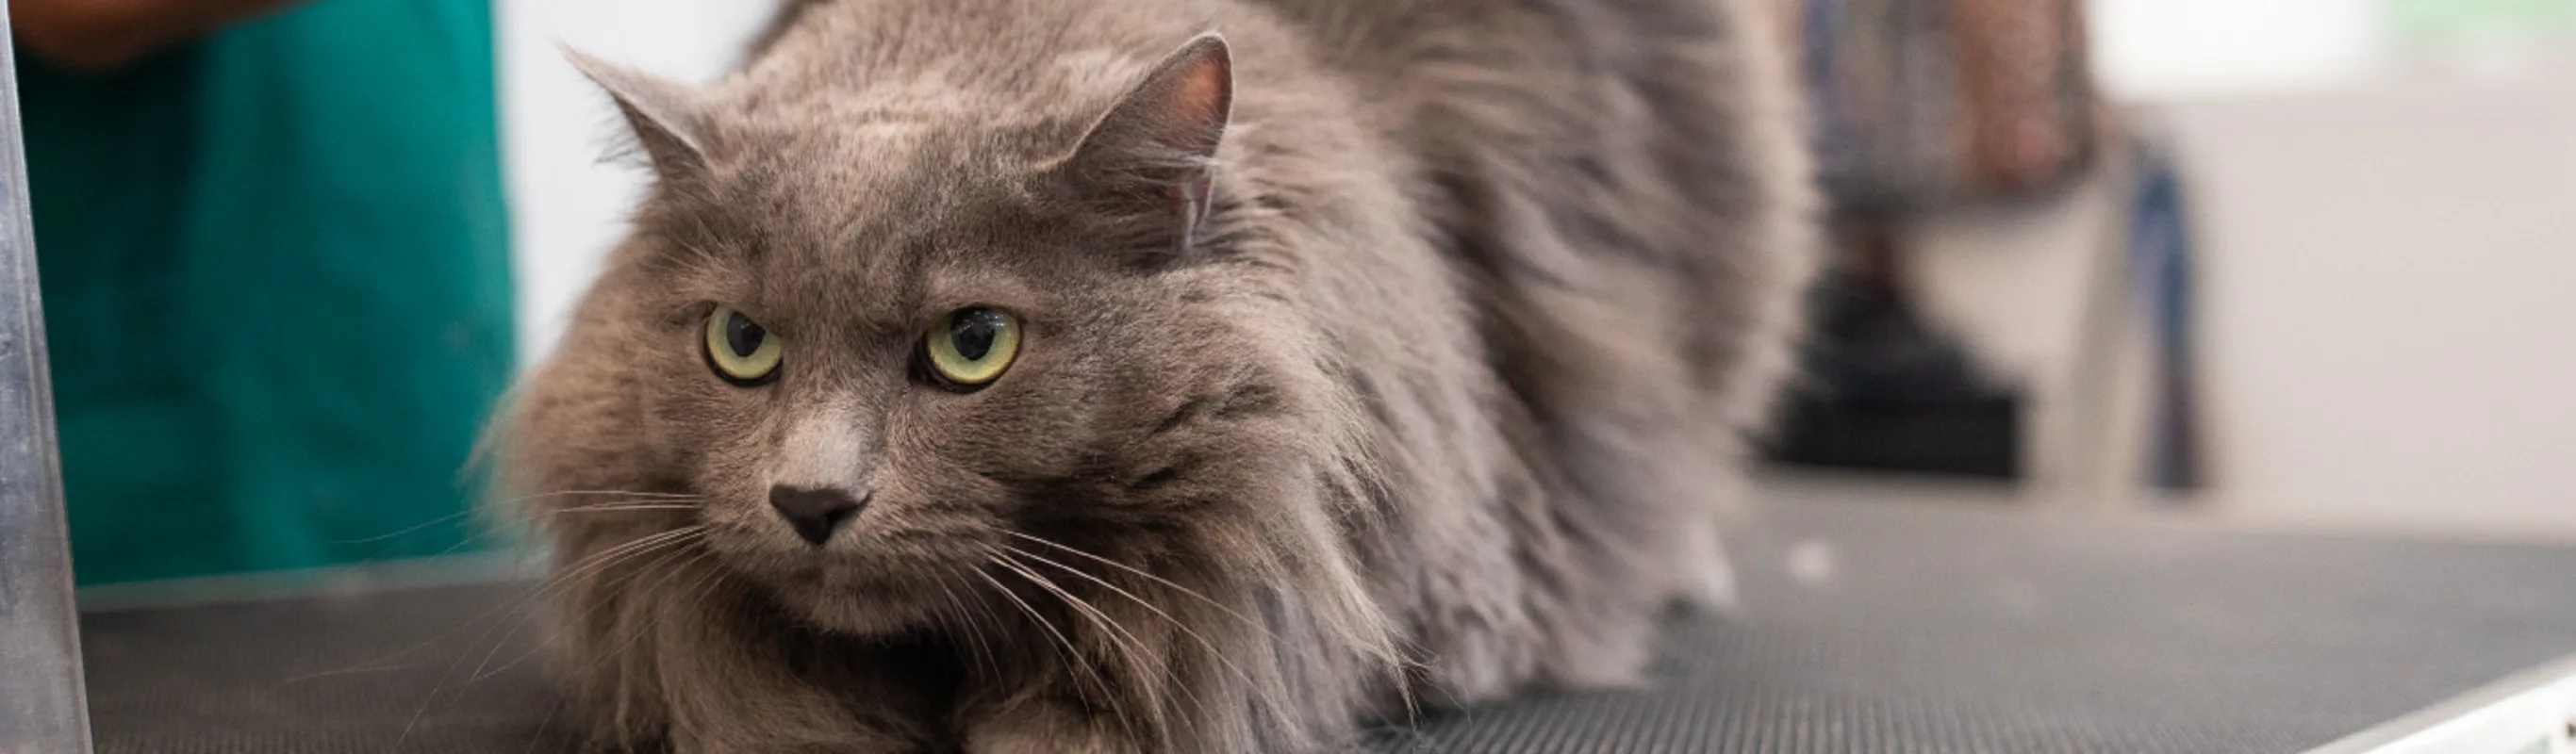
[1863, 628]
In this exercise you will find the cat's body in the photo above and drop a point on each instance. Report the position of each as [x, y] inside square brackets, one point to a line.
[1421, 390]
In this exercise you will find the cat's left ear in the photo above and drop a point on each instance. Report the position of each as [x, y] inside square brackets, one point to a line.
[1159, 143]
[664, 115]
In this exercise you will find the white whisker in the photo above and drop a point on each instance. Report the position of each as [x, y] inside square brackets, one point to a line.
[1075, 652]
[1213, 650]
[675, 548]
[966, 624]
[1121, 640]
[607, 507]
[636, 494]
[1185, 591]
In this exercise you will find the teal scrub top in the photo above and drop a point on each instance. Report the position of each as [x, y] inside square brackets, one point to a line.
[276, 289]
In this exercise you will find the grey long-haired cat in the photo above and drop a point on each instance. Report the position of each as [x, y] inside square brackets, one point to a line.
[1166, 375]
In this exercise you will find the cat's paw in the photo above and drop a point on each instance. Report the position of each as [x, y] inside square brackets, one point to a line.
[854, 743]
[853, 748]
[1046, 729]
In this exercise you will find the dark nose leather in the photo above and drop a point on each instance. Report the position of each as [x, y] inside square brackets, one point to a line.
[815, 513]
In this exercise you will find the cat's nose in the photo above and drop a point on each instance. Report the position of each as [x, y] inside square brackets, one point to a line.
[815, 512]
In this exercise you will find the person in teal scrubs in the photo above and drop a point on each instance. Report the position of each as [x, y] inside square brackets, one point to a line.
[275, 275]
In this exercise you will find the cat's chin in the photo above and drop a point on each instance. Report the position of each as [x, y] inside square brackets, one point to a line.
[844, 606]
[863, 587]
[859, 617]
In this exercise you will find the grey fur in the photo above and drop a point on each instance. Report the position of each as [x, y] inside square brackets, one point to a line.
[1439, 402]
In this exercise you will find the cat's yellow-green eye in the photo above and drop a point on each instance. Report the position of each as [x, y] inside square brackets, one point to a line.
[740, 350]
[971, 347]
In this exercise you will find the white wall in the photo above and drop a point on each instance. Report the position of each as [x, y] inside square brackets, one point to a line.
[2389, 297]
[2386, 283]
[2386, 258]
[2159, 49]
[569, 208]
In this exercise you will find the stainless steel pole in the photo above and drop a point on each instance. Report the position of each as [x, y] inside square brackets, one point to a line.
[42, 710]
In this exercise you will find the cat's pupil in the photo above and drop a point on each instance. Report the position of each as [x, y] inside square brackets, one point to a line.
[973, 335]
[743, 335]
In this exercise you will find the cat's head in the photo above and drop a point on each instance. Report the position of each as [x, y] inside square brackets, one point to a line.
[879, 345]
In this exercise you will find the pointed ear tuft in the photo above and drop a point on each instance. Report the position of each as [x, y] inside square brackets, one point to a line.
[665, 115]
[1160, 141]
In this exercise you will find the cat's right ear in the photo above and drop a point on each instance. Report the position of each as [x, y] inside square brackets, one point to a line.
[664, 114]
[1158, 143]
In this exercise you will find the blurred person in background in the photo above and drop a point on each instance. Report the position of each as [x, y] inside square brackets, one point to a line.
[275, 274]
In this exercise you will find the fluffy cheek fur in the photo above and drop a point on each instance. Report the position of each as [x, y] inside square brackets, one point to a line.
[1198, 522]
